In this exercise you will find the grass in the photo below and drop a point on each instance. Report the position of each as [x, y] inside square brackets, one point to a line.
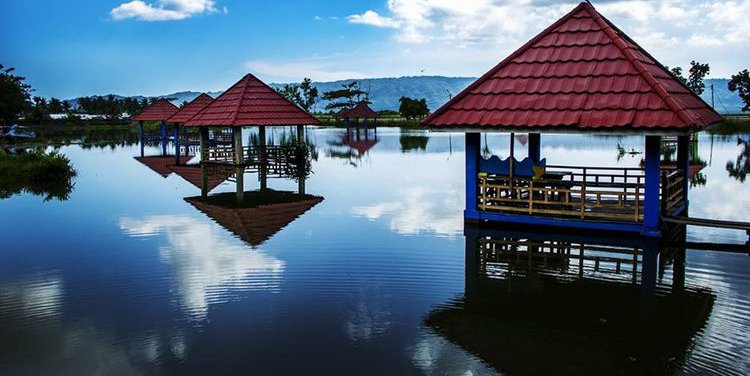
[36, 172]
[253, 199]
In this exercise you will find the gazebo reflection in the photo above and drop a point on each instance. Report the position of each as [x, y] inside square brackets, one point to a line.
[550, 303]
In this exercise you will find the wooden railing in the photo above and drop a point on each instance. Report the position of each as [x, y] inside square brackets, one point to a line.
[568, 257]
[600, 193]
[673, 189]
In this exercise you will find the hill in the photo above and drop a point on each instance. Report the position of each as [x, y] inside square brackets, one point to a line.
[385, 92]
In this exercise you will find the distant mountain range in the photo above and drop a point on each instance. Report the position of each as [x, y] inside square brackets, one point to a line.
[385, 92]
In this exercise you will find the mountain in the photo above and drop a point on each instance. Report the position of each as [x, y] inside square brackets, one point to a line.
[385, 92]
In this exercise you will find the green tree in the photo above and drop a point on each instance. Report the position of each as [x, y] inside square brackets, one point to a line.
[14, 94]
[695, 77]
[303, 94]
[55, 106]
[677, 72]
[412, 108]
[740, 83]
[346, 97]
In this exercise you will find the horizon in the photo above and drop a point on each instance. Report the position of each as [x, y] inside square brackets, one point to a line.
[134, 48]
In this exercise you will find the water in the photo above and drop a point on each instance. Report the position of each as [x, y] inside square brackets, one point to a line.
[127, 277]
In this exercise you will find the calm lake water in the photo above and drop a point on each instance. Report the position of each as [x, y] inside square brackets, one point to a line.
[127, 277]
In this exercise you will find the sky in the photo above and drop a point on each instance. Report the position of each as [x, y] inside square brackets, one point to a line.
[70, 48]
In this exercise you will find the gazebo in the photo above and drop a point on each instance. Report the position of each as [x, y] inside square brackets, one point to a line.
[580, 75]
[248, 103]
[159, 110]
[361, 111]
[183, 115]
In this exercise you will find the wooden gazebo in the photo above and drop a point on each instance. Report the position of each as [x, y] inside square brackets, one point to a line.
[160, 110]
[580, 75]
[360, 111]
[248, 103]
[183, 115]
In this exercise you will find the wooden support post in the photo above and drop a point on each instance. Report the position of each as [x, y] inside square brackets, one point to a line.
[683, 163]
[263, 168]
[535, 147]
[204, 159]
[472, 144]
[142, 138]
[239, 163]
[652, 199]
[204, 144]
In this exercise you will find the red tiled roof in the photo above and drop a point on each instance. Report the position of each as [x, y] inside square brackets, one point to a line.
[250, 102]
[192, 174]
[160, 110]
[257, 224]
[161, 164]
[190, 109]
[360, 111]
[579, 73]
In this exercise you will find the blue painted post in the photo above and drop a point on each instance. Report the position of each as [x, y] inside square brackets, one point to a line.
[472, 148]
[204, 159]
[535, 147]
[683, 163]
[471, 259]
[163, 137]
[176, 144]
[652, 199]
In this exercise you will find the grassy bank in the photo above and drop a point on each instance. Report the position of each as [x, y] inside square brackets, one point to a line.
[43, 174]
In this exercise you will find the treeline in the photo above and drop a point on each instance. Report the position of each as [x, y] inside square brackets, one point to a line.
[305, 95]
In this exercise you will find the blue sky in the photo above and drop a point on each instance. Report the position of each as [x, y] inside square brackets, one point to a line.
[151, 47]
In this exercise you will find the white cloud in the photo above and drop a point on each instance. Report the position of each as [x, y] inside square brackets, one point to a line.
[163, 10]
[316, 69]
[206, 265]
[489, 30]
[373, 18]
[420, 210]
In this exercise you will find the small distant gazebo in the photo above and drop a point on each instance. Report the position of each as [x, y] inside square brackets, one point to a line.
[159, 110]
[183, 115]
[580, 75]
[361, 111]
[248, 103]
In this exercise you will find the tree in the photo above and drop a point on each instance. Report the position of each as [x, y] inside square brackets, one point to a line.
[740, 83]
[412, 108]
[14, 94]
[695, 78]
[346, 97]
[55, 106]
[696, 74]
[677, 72]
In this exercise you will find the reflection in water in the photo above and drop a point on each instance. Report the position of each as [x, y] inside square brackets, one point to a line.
[419, 210]
[205, 264]
[740, 168]
[582, 305]
[353, 145]
[34, 297]
[370, 317]
[413, 142]
[42, 174]
[260, 214]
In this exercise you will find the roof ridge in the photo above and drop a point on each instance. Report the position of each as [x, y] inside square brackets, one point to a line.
[500, 65]
[616, 37]
[243, 82]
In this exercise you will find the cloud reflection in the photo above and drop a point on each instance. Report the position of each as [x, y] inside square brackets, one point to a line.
[206, 265]
[420, 210]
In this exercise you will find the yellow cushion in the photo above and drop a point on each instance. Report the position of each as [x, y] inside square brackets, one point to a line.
[538, 172]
